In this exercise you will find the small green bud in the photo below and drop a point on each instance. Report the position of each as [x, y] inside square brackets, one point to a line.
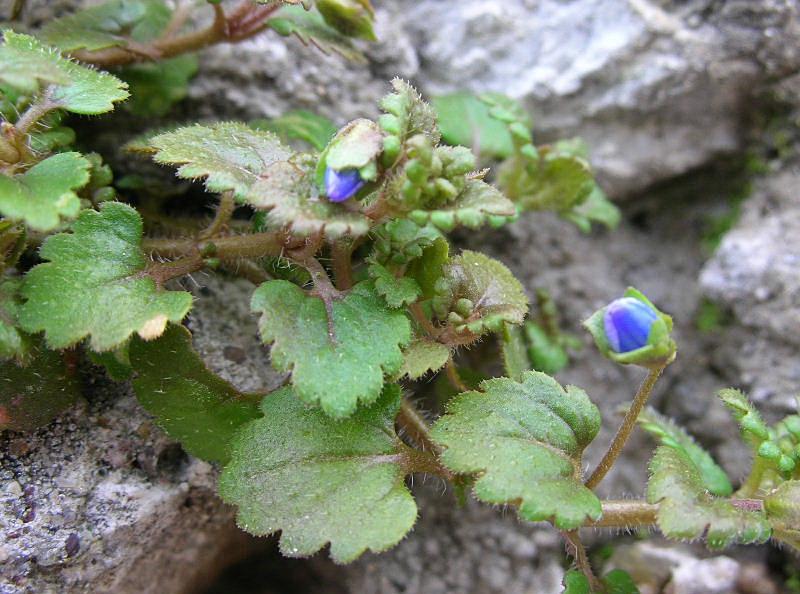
[520, 132]
[394, 103]
[454, 319]
[529, 152]
[389, 123]
[350, 17]
[464, 306]
[786, 464]
[416, 171]
[443, 220]
[391, 150]
[769, 450]
[445, 189]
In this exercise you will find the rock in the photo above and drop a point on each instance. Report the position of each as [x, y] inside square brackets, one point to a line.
[717, 575]
[101, 501]
[656, 88]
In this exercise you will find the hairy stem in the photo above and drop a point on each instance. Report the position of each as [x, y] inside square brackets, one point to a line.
[223, 215]
[161, 272]
[578, 551]
[34, 113]
[342, 253]
[454, 377]
[247, 269]
[420, 317]
[628, 423]
[245, 22]
[254, 245]
[624, 513]
[411, 420]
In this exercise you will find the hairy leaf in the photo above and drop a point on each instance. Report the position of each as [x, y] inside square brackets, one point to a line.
[261, 171]
[398, 291]
[45, 195]
[320, 480]
[424, 355]
[688, 511]
[669, 434]
[428, 268]
[493, 293]
[311, 29]
[546, 353]
[25, 63]
[117, 363]
[464, 120]
[228, 155]
[414, 116]
[754, 429]
[32, 396]
[14, 344]
[112, 24]
[560, 183]
[95, 284]
[472, 208]
[193, 405]
[300, 124]
[525, 441]
[336, 362]
[782, 505]
[597, 208]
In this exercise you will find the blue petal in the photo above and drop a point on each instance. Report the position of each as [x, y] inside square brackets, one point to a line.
[341, 185]
[627, 323]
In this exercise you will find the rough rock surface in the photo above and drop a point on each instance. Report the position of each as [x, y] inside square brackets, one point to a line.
[658, 88]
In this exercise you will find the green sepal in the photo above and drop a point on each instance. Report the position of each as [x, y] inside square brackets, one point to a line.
[660, 348]
[355, 146]
[318, 480]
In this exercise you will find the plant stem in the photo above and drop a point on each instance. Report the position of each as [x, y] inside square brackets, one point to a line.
[254, 245]
[628, 423]
[34, 113]
[454, 377]
[224, 212]
[247, 269]
[410, 419]
[342, 253]
[624, 513]
[582, 559]
[161, 272]
[246, 21]
[419, 315]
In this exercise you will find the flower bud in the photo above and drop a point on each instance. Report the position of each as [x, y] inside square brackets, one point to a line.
[341, 185]
[631, 330]
[350, 17]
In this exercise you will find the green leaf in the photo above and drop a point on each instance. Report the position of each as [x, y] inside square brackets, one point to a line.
[688, 511]
[464, 120]
[311, 29]
[95, 284]
[615, 581]
[300, 124]
[525, 440]
[112, 24]
[45, 195]
[193, 405]
[117, 363]
[32, 396]
[156, 86]
[597, 208]
[515, 352]
[669, 434]
[547, 354]
[319, 480]
[14, 344]
[336, 362]
[560, 183]
[782, 505]
[25, 63]
[491, 293]
[754, 429]
[261, 171]
[472, 208]
[423, 355]
[398, 291]
[428, 268]
[413, 115]
[228, 155]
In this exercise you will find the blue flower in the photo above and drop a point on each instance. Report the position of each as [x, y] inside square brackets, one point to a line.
[627, 322]
[341, 185]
